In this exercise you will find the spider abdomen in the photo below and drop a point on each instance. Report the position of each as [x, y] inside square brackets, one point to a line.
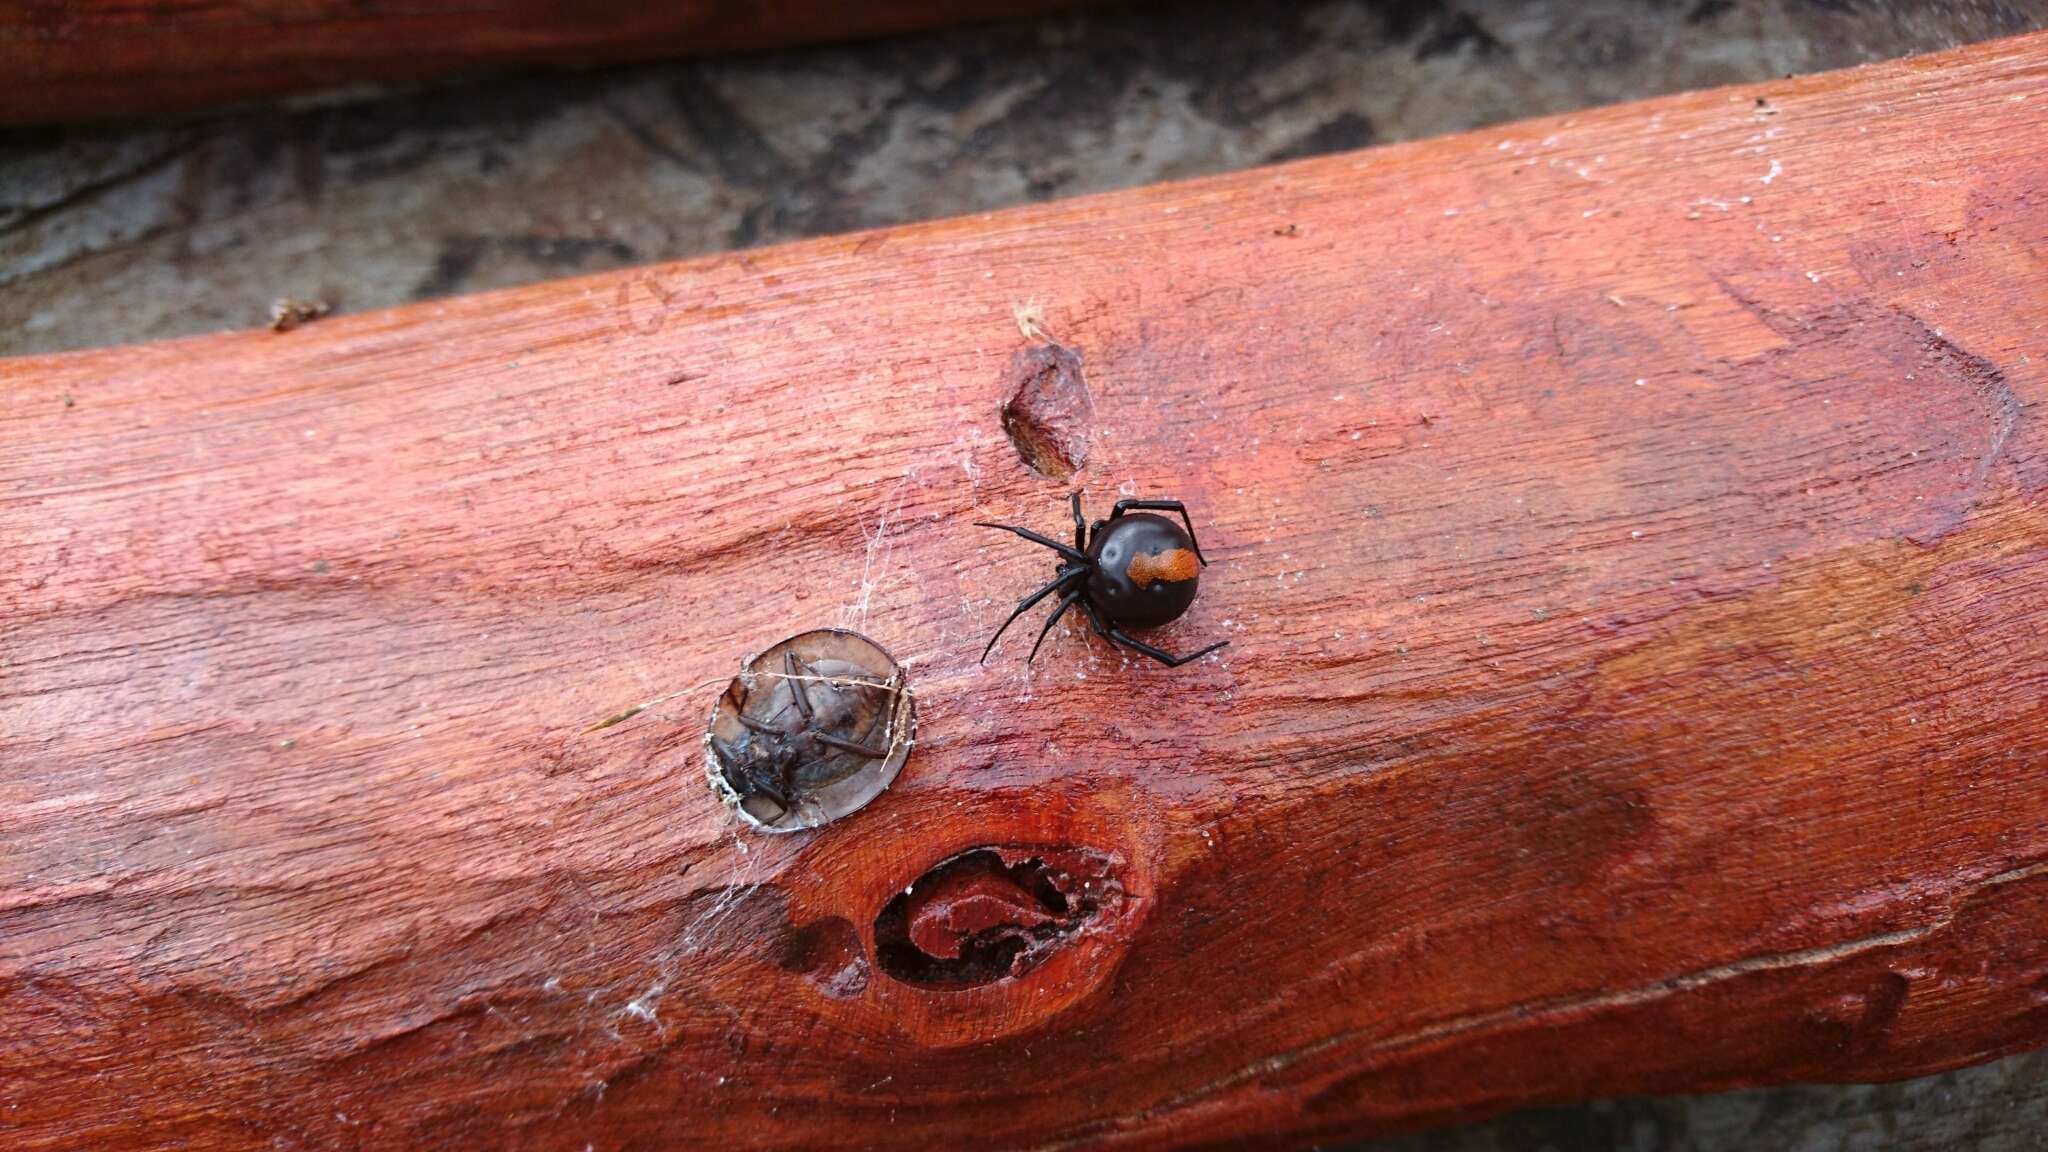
[1145, 570]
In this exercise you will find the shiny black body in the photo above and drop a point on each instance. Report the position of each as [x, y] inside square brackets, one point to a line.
[1110, 587]
[1097, 573]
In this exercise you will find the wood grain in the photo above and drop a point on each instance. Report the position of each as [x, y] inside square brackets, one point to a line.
[78, 59]
[1629, 528]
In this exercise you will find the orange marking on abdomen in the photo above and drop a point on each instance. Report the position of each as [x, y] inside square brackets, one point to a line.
[1172, 566]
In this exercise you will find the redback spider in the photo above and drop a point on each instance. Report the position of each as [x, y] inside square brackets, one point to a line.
[1136, 571]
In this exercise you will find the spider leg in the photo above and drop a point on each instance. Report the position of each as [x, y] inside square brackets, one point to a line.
[1117, 636]
[798, 694]
[844, 745]
[1024, 605]
[762, 727]
[1080, 525]
[1066, 602]
[1166, 658]
[1074, 554]
[1123, 506]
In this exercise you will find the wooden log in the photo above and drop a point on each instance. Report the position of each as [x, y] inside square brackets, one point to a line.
[76, 59]
[1629, 529]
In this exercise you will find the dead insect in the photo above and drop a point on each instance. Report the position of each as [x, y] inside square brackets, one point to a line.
[809, 731]
[1137, 570]
[800, 742]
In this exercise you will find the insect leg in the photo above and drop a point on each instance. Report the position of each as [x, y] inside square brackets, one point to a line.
[844, 745]
[1123, 506]
[741, 777]
[728, 755]
[780, 790]
[798, 693]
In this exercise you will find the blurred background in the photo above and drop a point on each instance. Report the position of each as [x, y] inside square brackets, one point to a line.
[122, 232]
[114, 232]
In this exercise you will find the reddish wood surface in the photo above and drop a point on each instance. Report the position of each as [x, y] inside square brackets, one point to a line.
[1630, 529]
[71, 59]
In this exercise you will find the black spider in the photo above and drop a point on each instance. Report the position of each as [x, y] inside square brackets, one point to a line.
[804, 750]
[1137, 570]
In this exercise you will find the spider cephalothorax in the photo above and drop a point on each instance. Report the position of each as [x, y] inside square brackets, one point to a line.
[1129, 570]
